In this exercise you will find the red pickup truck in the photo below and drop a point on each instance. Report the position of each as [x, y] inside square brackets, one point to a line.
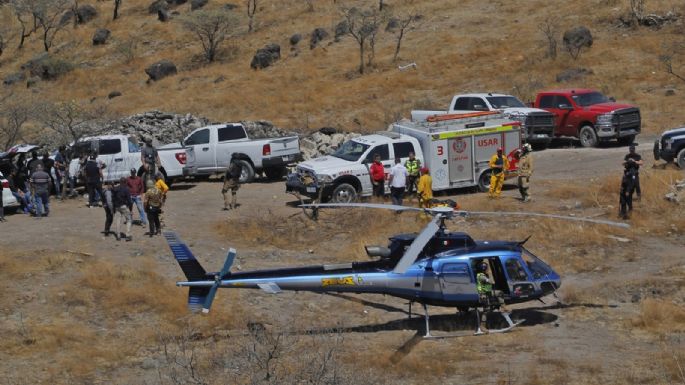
[588, 115]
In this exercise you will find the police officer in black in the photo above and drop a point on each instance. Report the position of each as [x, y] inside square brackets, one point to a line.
[93, 173]
[633, 160]
[629, 181]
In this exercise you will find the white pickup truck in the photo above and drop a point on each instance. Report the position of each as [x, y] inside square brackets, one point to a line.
[537, 125]
[121, 153]
[209, 151]
[455, 150]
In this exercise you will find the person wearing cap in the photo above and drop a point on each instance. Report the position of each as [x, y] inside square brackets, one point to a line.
[136, 188]
[484, 289]
[425, 188]
[525, 170]
[633, 161]
[498, 165]
[153, 205]
[232, 183]
[150, 158]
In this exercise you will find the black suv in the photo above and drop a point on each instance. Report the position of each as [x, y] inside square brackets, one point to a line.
[671, 146]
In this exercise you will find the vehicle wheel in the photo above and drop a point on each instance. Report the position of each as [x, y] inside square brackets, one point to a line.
[11, 210]
[680, 159]
[247, 171]
[463, 309]
[344, 193]
[275, 173]
[484, 181]
[588, 137]
[627, 140]
[657, 151]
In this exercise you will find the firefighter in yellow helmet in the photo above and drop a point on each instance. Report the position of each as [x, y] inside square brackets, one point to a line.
[425, 188]
[498, 164]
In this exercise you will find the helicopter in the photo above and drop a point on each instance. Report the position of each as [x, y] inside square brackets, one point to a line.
[435, 267]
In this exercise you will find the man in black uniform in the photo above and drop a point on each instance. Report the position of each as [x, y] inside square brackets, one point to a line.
[93, 174]
[634, 160]
[48, 165]
[628, 182]
[232, 182]
[149, 158]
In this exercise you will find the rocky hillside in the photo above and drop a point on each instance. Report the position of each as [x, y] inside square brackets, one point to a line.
[296, 63]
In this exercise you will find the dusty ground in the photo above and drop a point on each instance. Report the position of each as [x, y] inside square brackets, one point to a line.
[81, 308]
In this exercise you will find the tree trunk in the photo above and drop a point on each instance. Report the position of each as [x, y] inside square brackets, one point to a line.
[117, 3]
[399, 43]
[361, 57]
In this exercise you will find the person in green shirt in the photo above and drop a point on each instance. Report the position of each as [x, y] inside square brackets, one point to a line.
[484, 288]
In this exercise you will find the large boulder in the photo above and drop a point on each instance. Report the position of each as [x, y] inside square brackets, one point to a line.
[294, 39]
[161, 69]
[317, 36]
[197, 4]
[14, 78]
[47, 67]
[158, 5]
[85, 13]
[100, 37]
[573, 74]
[266, 56]
[578, 37]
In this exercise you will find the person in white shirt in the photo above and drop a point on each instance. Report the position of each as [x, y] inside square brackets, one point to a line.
[398, 182]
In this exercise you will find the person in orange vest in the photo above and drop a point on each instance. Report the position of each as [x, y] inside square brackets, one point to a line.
[498, 164]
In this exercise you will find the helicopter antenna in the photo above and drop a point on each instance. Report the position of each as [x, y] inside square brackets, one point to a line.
[524, 241]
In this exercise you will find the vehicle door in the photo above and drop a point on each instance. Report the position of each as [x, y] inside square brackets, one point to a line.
[111, 156]
[229, 138]
[457, 283]
[199, 150]
[384, 151]
[561, 107]
[518, 279]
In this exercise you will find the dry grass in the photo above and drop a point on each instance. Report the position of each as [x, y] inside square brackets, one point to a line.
[660, 316]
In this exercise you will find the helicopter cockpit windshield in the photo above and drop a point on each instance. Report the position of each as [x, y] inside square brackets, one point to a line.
[538, 268]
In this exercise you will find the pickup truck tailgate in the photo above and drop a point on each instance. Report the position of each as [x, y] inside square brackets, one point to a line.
[285, 146]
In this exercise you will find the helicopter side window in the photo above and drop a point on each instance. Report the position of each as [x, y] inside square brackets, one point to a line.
[515, 271]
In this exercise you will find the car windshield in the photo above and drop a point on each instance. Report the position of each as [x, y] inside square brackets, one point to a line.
[538, 268]
[351, 150]
[505, 102]
[589, 99]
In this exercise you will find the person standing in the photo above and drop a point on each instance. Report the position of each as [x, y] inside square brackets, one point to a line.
[33, 162]
[425, 188]
[2, 206]
[525, 171]
[163, 188]
[136, 188]
[377, 172]
[40, 184]
[48, 166]
[150, 159]
[153, 205]
[413, 167]
[484, 289]
[60, 172]
[93, 173]
[232, 182]
[122, 201]
[498, 165]
[398, 182]
[108, 205]
[627, 188]
[634, 160]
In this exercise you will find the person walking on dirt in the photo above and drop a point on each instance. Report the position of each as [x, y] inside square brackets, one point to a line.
[425, 188]
[397, 180]
[40, 185]
[163, 188]
[498, 165]
[108, 205]
[150, 158]
[153, 206]
[413, 166]
[377, 171]
[634, 160]
[93, 173]
[627, 188]
[525, 171]
[122, 201]
[136, 188]
[232, 183]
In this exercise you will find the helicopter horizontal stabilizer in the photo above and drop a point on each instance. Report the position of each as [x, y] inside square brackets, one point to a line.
[185, 258]
[270, 287]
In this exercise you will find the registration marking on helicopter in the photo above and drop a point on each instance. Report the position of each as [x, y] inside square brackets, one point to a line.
[344, 281]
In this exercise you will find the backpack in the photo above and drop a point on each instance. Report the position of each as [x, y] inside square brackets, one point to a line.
[121, 196]
[235, 169]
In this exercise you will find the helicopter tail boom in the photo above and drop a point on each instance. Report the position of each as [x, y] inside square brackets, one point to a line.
[197, 295]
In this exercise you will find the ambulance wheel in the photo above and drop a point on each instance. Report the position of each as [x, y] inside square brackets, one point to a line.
[247, 171]
[588, 137]
[484, 181]
[680, 159]
[344, 193]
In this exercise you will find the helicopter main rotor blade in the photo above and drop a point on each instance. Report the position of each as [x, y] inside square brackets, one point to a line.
[542, 215]
[417, 245]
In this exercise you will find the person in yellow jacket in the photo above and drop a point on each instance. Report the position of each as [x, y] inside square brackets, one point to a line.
[163, 188]
[498, 164]
[425, 188]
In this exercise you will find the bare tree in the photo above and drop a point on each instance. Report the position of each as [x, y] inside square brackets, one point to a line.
[375, 22]
[550, 29]
[211, 28]
[637, 10]
[24, 12]
[362, 26]
[117, 4]
[667, 61]
[13, 116]
[251, 11]
[404, 24]
[49, 14]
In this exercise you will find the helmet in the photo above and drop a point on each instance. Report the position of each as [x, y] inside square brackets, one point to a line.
[527, 147]
[483, 266]
[424, 170]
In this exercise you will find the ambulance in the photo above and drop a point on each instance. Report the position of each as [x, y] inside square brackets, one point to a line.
[456, 148]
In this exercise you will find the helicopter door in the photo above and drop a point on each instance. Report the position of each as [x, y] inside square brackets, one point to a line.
[457, 283]
[520, 283]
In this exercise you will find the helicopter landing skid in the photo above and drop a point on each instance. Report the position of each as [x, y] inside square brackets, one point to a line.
[511, 324]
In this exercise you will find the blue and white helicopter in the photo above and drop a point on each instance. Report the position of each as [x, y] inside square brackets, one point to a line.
[435, 267]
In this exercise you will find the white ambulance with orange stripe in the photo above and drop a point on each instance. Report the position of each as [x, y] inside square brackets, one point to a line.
[456, 148]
